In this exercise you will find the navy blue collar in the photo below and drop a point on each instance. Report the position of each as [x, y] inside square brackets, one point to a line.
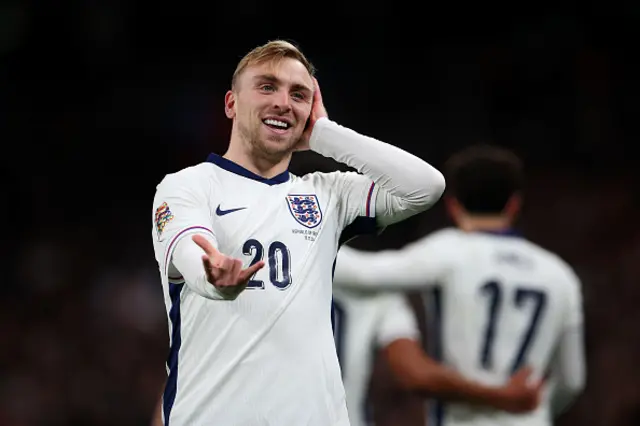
[232, 167]
[508, 232]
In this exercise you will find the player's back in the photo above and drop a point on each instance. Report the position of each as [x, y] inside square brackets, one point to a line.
[501, 304]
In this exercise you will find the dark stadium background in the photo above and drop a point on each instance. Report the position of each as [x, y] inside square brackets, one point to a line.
[100, 99]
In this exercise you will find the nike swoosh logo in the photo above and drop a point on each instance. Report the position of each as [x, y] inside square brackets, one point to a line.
[221, 212]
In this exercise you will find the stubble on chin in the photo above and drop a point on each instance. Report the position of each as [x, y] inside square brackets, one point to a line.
[272, 151]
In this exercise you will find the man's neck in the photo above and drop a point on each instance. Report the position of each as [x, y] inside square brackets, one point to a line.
[261, 166]
[475, 223]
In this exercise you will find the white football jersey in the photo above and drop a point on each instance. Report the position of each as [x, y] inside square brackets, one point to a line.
[267, 358]
[494, 303]
[364, 322]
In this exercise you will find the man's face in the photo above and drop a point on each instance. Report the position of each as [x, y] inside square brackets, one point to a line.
[271, 104]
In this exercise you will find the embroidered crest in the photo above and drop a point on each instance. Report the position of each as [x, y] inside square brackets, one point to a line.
[305, 209]
[163, 217]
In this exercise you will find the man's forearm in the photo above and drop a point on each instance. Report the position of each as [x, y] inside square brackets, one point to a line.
[401, 174]
[446, 384]
[419, 373]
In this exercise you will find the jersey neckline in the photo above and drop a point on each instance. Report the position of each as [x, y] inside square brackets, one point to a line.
[509, 232]
[232, 167]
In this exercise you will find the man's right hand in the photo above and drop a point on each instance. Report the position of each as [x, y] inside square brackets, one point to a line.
[317, 111]
[520, 395]
[225, 272]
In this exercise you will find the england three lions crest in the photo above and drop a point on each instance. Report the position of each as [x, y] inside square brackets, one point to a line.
[305, 209]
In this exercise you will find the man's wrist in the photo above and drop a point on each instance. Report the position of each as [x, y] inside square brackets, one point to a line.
[315, 140]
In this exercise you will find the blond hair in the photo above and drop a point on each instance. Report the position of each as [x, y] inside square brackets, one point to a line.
[273, 51]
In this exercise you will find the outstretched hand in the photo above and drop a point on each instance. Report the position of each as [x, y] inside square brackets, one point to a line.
[317, 111]
[224, 272]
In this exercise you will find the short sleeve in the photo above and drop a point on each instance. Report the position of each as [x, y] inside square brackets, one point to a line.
[180, 208]
[397, 322]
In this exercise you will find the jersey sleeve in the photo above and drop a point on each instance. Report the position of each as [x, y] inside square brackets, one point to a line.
[568, 366]
[417, 265]
[568, 370]
[397, 322]
[357, 198]
[408, 185]
[180, 209]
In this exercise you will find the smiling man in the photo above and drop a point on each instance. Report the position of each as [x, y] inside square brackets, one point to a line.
[245, 251]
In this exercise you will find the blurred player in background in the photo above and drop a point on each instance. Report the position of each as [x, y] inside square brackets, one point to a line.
[246, 249]
[366, 321]
[495, 301]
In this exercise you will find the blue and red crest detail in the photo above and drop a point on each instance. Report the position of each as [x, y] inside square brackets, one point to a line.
[305, 209]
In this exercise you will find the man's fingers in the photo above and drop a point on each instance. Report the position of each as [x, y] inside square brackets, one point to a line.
[523, 373]
[225, 265]
[205, 244]
[235, 266]
[246, 274]
[316, 92]
[208, 266]
[318, 108]
[537, 386]
[526, 370]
